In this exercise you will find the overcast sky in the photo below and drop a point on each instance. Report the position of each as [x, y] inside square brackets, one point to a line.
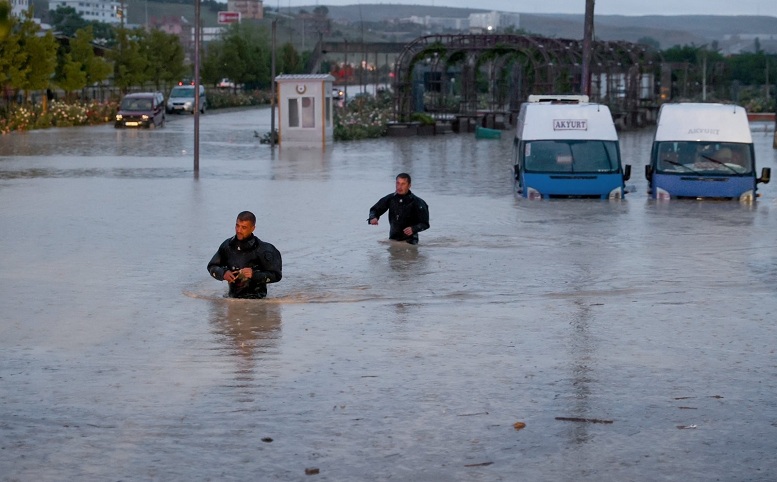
[603, 7]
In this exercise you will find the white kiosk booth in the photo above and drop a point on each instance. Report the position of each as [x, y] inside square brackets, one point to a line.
[305, 116]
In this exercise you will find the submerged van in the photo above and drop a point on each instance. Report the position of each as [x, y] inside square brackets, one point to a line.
[703, 151]
[566, 147]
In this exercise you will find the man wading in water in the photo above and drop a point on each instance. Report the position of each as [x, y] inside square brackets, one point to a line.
[246, 262]
[408, 213]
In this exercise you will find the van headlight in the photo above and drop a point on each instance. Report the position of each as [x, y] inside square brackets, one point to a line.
[144, 117]
[662, 194]
[616, 193]
[532, 193]
[118, 117]
[747, 196]
[187, 105]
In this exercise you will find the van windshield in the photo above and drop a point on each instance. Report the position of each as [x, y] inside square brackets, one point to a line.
[136, 104]
[571, 156]
[179, 92]
[686, 157]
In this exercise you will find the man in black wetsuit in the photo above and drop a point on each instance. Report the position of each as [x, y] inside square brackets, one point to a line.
[408, 213]
[246, 262]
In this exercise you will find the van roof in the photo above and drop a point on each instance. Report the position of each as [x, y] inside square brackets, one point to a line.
[703, 122]
[542, 121]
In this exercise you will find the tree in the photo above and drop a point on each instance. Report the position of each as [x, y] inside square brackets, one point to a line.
[97, 69]
[78, 66]
[242, 55]
[11, 58]
[5, 18]
[289, 60]
[66, 20]
[38, 58]
[165, 56]
[129, 62]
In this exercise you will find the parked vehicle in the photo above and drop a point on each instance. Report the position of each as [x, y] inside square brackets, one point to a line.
[566, 147]
[181, 99]
[703, 151]
[144, 109]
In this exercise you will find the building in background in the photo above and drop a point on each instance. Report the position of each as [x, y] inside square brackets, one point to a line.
[18, 7]
[107, 11]
[249, 9]
[493, 21]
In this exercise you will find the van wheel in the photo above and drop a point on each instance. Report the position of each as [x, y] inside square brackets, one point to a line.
[151, 124]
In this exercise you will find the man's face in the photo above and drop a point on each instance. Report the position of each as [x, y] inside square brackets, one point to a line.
[243, 229]
[403, 186]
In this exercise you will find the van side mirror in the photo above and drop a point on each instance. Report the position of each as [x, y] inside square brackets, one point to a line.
[648, 172]
[766, 175]
[627, 172]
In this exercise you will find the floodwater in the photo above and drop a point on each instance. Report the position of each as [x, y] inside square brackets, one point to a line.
[635, 340]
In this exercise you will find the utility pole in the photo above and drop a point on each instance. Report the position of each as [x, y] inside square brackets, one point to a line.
[196, 88]
[588, 34]
[272, 84]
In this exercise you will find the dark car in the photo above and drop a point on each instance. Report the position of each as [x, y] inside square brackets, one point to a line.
[144, 109]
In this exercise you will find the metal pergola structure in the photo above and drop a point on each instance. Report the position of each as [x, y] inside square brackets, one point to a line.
[465, 74]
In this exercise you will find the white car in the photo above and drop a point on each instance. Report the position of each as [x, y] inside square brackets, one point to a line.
[181, 99]
[226, 84]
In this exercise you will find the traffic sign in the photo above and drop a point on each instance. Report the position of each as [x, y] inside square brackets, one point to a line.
[229, 17]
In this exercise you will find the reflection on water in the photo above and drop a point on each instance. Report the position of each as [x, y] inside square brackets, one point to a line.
[251, 329]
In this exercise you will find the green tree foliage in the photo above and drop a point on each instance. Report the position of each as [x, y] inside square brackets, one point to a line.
[129, 61]
[66, 20]
[78, 66]
[5, 18]
[97, 69]
[290, 62]
[244, 55]
[36, 58]
[165, 58]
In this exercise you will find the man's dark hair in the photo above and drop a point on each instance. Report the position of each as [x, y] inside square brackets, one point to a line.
[404, 175]
[247, 216]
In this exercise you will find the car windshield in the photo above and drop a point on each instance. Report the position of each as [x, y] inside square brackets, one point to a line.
[136, 104]
[703, 158]
[571, 156]
[179, 92]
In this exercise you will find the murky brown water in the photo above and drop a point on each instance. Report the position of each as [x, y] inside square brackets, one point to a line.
[120, 360]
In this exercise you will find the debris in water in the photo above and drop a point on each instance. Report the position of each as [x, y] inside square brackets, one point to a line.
[587, 420]
[481, 464]
[267, 439]
[519, 425]
[311, 471]
[685, 427]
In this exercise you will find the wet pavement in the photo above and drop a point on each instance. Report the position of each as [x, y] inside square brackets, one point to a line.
[636, 340]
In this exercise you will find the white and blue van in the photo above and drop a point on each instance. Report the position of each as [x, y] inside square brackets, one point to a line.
[566, 147]
[703, 151]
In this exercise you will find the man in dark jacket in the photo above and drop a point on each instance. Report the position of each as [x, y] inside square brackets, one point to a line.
[408, 213]
[246, 262]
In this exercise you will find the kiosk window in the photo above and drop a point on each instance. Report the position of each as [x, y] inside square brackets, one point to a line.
[293, 113]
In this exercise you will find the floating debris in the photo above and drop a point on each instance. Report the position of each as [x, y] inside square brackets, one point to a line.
[481, 464]
[267, 439]
[519, 425]
[686, 427]
[311, 471]
[586, 420]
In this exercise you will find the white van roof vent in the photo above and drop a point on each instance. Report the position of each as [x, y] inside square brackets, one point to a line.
[559, 99]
